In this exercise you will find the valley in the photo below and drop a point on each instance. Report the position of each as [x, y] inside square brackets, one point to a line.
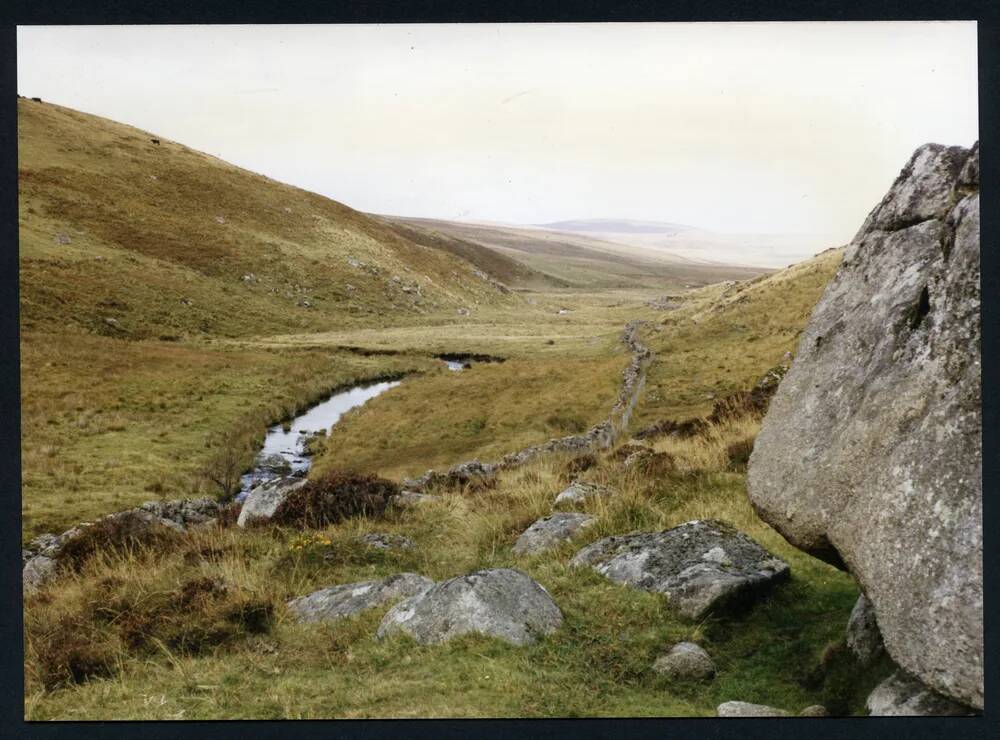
[174, 308]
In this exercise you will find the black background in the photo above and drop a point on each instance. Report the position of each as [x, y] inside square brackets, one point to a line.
[72, 12]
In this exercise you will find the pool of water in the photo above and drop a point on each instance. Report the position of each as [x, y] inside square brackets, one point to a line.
[320, 418]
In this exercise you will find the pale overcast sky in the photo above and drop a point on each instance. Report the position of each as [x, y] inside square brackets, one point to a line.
[756, 127]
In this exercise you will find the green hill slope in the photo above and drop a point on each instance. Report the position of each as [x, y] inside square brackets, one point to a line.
[125, 236]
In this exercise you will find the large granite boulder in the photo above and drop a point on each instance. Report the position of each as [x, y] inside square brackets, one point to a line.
[338, 602]
[499, 602]
[702, 566]
[550, 532]
[263, 501]
[870, 456]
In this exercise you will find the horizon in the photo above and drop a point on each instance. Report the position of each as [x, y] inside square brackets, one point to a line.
[530, 125]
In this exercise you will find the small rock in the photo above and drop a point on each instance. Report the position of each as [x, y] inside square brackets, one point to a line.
[686, 661]
[863, 636]
[38, 571]
[263, 501]
[407, 499]
[338, 602]
[463, 311]
[63, 239]
[499, 602]
[550, 531]
[816, 710]
[745, 709]
[580, 491]
[220, 220]
[903, 696]
[382, 541]
[274, 464]
[702, 566]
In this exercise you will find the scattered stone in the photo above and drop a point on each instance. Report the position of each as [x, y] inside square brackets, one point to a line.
[551, 531]
[463, 311]
[184, 512]
[338, 602]
[382, 541]
[745, 709]
[702, 566]
[408, 499]
[686, 661]
[37, 571]
[275, 463]
[902, 696]
[63, 239]
[815, 710]
[261, 503]
[863, 637]
[500, 602]
[220, 220]
[876, 465]
[579, 491]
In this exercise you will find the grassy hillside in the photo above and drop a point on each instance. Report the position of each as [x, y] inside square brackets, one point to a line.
[722, 338]
[582, 261]
[165, 241]
[500, 266]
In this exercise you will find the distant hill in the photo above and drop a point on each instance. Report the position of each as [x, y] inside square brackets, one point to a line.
[759, 249]
[127, 234]
[581, 260]
[617, 226]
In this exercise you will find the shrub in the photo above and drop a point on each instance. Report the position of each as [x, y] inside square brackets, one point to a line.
[336, 496]
[579, 464]
[67, 652]
[120, 532]
[738, 453]
[200, 615]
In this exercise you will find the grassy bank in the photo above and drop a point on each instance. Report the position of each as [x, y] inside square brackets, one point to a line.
[787, 651]
[108, 424]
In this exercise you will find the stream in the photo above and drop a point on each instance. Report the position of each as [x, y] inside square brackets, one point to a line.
[287, 440]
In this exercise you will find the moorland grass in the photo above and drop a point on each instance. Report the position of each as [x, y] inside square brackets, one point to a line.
[786, 651]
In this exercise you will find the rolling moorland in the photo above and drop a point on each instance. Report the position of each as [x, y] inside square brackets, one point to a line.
[174, 306]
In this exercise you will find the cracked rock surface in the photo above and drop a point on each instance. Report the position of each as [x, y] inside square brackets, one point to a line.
[702, 566]
[498, 602]
[338, 602]
[870, 455]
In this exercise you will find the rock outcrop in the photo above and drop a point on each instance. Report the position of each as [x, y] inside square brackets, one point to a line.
[550, 532]
[263, 501]
[500, 602]
[870, 456]
[701, 566]
[338, 602]
[42, 557]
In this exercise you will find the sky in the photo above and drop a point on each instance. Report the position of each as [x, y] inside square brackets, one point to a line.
[780, 128]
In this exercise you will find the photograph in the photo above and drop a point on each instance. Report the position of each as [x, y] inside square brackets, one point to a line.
[499, 370]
